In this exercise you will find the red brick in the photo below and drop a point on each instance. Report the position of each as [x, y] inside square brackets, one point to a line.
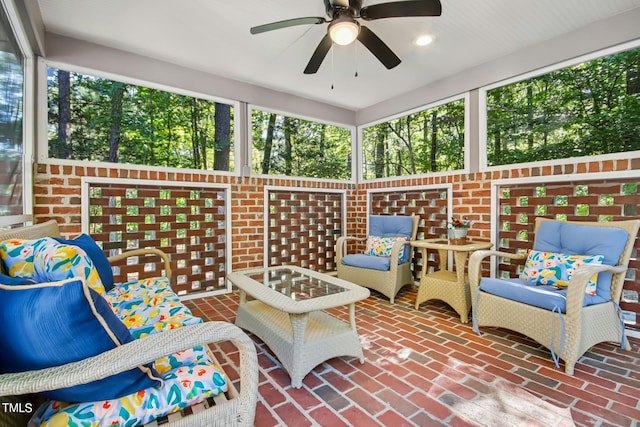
[390, 418]
[364, 400]
[356, 417]
[325, 417]
[292, 415]
[264, 418]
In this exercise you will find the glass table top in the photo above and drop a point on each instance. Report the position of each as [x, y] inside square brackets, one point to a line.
[296, 285]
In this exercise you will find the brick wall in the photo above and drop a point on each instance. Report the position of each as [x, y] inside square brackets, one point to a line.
[57, 193]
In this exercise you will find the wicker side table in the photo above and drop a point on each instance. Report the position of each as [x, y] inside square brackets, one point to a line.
[449, 286]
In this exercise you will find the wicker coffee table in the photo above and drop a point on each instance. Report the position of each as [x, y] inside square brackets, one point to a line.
[286, 313]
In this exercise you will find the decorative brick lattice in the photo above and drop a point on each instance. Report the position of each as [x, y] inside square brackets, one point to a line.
[429, 204]
[187, 223]
[574, 201]
[303, 227]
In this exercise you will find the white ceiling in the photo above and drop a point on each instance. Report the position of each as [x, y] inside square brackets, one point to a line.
[213, 36]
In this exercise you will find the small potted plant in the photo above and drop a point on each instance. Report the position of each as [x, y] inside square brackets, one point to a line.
[457, 229]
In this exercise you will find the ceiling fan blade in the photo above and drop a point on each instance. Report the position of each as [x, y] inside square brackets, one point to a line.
[318, 55]
[379, 49]
[287, 23]
[401, 9]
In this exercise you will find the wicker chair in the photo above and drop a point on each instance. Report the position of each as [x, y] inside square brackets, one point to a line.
[232, 408]
[576, 321]
[394, 274]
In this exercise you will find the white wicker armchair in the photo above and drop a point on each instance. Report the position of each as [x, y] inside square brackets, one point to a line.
[571, 332]
[233, 408]
[387, 282]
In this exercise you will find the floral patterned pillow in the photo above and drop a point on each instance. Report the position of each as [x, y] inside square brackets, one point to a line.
[58, 261]
[555, 269]
[46, 260]
[17, 255]
[382, 246]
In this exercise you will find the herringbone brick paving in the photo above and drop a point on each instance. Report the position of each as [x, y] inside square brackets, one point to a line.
[421, 365]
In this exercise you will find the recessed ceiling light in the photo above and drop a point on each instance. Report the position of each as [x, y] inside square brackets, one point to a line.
[424, 40]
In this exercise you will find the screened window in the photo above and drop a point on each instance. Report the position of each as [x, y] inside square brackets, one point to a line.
[431, 140]
[11, 111]
[291, 146]
[93, 118]
[588, 109]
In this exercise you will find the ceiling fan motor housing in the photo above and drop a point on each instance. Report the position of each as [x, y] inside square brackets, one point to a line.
[334, 9]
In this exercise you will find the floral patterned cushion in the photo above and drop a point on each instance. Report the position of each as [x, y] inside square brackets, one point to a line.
[189, 378]
[549, 268]
[147, 307]
[382, 246]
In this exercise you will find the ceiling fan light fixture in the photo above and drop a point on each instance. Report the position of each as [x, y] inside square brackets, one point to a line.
[343, 30]
[425, 40]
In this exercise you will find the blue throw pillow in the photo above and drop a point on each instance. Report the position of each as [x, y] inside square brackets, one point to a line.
[100, 261]
[8, 280]
[51, 324]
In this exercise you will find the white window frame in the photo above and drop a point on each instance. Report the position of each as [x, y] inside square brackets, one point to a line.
[28, 115]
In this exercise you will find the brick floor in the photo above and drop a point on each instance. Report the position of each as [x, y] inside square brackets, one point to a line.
[425, 368]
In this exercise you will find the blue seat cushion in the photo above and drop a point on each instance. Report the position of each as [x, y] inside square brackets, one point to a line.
[382, 263]
[576, 239]
[392, 226]
[547, 297]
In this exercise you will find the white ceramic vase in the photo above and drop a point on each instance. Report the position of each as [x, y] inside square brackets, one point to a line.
[457, 233]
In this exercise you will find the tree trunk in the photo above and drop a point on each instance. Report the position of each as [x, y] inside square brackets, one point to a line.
[222, 138]
[64, 114]
[288, 146]
[116, 121]
[434, 140]
[195, 145]
[530, 117]
[633, 80]
[268, 143]
[496, 94]
[380, 152]
[409, 144]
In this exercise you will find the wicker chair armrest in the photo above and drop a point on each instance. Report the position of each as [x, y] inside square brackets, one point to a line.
[475, 264]
[396, 249]
[139, 352]
[579, 281]
[341, 245]
[145, 252]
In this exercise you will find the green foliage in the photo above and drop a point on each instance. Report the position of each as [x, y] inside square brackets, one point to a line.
[431, 140]
[589, 109]
[139, 125]
[295, 147]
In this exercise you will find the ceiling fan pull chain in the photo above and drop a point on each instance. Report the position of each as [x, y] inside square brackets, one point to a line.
[356, 49]
[332, 74]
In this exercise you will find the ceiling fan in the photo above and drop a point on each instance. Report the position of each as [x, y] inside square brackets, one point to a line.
[344, 27]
